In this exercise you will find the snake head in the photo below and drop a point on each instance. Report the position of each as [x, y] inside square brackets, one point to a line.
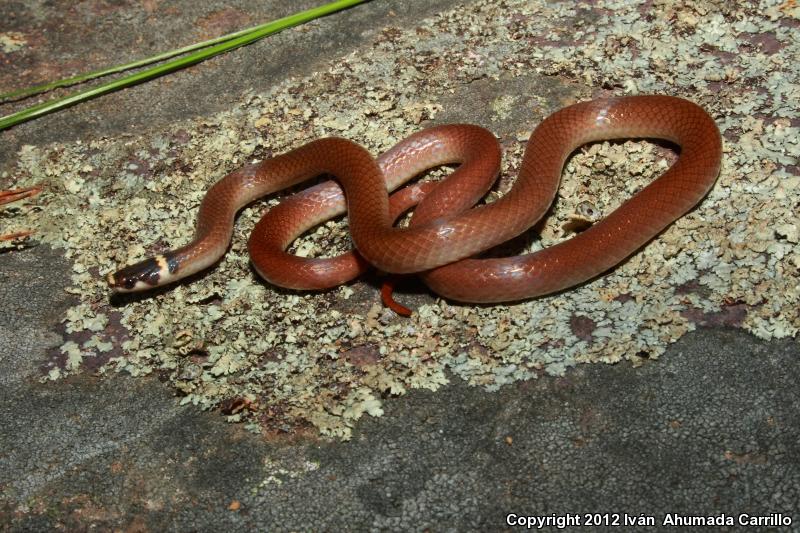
[141, 276]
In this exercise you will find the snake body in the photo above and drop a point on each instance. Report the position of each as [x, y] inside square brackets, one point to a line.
[445, 232]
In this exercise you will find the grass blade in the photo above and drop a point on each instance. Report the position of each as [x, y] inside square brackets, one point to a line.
[66, 82]
[229, 42]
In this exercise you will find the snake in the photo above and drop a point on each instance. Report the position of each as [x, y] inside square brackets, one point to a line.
[448, 231]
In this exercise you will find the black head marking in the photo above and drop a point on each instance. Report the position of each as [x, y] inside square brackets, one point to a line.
[147, 272]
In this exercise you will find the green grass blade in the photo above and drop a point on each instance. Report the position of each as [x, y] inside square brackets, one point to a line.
[243, 38]
[66, 82]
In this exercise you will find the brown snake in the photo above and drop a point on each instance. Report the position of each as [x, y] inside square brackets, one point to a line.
[445, 232]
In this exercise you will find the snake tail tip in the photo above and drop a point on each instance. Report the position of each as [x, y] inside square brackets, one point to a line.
[387, 291]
